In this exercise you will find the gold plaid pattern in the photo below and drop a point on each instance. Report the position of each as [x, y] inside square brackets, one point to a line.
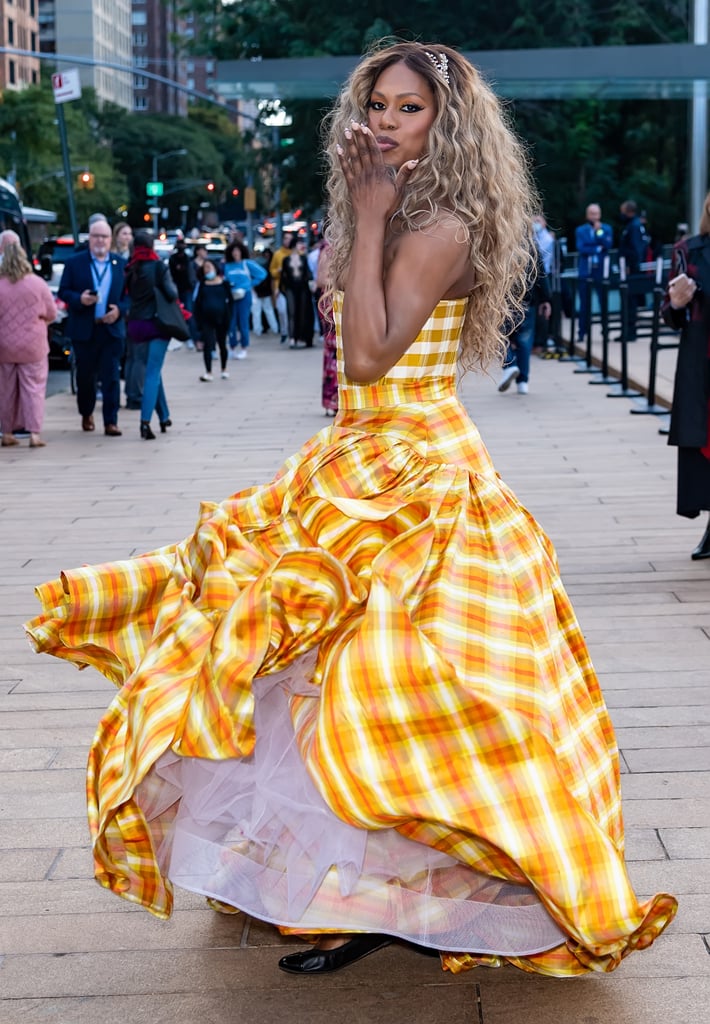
[457, 700]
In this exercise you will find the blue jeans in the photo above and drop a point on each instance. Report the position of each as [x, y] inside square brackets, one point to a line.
[134, 372]
[153, 392]
[520, 345]
[239, 324]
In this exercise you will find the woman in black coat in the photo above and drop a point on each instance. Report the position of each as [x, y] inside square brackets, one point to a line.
[296, 283]
[687, 307]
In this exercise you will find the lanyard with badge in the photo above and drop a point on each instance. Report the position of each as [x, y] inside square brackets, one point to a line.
[99, 277]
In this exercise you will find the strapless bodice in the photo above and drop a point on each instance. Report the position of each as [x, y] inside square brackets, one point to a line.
[427, 370]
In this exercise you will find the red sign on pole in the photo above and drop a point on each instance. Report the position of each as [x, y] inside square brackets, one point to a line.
[66, 85]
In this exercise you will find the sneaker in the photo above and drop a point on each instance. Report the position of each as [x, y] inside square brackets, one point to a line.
[241, 353]
[522, 387]
[508, 373]
[224, 375]
[190, 344]
[232, 353]
[206, 377]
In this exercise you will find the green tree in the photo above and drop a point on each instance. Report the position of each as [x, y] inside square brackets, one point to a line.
[136, 139]
[30, 144]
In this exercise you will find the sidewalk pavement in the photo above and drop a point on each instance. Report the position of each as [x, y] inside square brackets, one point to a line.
[602, 484]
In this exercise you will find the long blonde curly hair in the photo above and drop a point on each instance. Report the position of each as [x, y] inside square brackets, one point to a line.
[475, 169]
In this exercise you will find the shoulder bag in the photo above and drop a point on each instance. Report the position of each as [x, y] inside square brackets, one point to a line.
[168, 315]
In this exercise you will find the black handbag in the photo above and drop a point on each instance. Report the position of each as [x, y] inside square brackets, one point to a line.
[169, 316]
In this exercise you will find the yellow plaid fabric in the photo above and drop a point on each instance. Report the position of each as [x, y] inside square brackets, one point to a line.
[457, 700]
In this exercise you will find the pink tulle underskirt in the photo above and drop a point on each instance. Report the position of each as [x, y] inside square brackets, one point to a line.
[256, 834]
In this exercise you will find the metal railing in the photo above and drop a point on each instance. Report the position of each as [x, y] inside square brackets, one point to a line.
[613, 300]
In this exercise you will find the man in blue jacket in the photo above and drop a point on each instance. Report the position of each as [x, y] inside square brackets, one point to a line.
[92, 286]
[594, 239]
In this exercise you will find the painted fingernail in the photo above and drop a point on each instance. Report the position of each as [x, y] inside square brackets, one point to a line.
[348, 134]
[338, 149]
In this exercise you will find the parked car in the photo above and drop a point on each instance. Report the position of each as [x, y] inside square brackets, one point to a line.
[58, 249]
[60, 353]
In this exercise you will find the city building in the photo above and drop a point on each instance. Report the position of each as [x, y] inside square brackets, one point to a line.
[18, 27]
[160, 38]
[156, 44]
[99, 30]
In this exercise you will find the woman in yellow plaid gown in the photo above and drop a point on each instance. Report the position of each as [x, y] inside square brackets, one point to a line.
[355, 702]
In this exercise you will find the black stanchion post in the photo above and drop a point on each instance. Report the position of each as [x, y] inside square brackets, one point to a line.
[604, 299]
[651, 408]
[588, 366]
[626, 391]
[577, 286]
[571, 354]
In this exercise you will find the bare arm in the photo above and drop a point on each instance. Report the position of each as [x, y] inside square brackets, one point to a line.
[385, 307]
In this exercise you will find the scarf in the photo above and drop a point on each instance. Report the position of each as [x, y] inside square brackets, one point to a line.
[142, 254]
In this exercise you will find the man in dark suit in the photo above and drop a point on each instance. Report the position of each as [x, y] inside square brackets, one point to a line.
[632, 246]
[92, 286]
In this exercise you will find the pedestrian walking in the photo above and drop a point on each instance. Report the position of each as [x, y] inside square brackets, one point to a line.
[146, 273]
[536, 303]
[324, 291]
[262, 308]
[213, 310]
[296, 283]
[26, 308]
[92, 286]
[241, 274]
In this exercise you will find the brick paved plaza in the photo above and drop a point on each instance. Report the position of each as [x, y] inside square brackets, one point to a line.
[602, 484]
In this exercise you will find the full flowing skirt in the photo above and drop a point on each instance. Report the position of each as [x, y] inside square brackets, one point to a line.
[357, 698]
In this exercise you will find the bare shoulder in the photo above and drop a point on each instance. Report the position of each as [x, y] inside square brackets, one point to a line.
[438, 253]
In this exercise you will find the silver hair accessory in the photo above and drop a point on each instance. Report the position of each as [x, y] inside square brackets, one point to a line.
[441, 63]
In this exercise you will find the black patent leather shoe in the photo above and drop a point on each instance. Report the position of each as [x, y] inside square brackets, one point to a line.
[324, 961]
[703, 548]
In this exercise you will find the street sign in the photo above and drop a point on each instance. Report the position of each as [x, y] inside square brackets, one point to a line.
[66, 85]
[155, 210]
[154, 188]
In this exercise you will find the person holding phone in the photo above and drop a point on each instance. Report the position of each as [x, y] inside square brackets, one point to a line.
[686, 306]
[92, 286]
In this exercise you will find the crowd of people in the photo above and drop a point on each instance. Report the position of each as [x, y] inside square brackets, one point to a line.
[108, 288]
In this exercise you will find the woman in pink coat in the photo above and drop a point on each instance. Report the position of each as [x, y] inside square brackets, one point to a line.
[26, 307]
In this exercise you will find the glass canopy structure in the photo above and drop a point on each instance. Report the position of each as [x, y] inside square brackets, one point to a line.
[668, 71]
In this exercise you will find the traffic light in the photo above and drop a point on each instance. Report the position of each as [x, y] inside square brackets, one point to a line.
[210, 186]
[147, 218]
[86, 180]
[235, 191]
